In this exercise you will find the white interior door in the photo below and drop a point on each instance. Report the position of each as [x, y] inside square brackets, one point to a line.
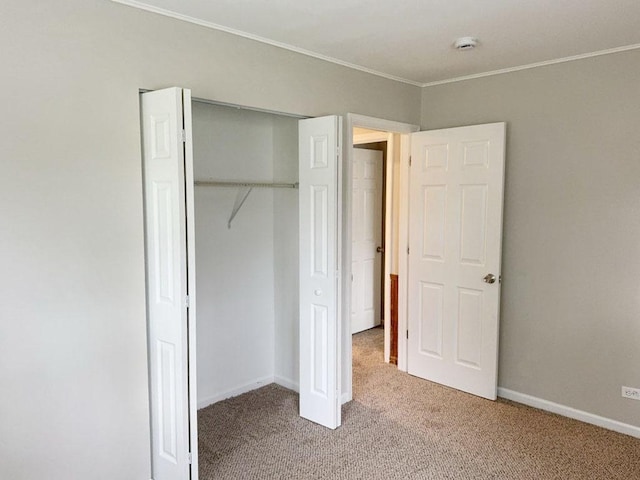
[455, 232]
[319, 142]
[366, 224]
[166, 162]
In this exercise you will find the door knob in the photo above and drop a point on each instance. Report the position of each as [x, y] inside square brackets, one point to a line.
[489, 278]
[317, 292]
[380, 250]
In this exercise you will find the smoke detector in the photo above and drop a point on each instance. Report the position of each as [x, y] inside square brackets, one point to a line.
[465, 43]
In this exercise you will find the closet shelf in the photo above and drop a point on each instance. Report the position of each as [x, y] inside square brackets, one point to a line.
[244, 189]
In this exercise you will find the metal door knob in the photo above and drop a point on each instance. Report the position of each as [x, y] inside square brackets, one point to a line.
[317, 292]
[380, 250]
[489, 278]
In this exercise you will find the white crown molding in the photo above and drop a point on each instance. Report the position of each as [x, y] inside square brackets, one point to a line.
[285, 46]
[534, 65]
[302, 51]
[570, 412]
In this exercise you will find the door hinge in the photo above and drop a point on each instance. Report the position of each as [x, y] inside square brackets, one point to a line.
[407, 334]
[407, 250]
[189, 458]
[184, 136]
[409, 160]
[187, 301]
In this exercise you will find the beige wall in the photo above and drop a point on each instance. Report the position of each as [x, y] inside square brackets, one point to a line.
[72, 314]
[570, 329]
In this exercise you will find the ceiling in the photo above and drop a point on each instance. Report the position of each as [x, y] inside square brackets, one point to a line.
[411, 40]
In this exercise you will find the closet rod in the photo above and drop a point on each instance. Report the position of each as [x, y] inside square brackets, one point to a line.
[213, 183]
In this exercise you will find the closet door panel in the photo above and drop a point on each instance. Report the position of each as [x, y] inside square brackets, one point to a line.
[319, 155]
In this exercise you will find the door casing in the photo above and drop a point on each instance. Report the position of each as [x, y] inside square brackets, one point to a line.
[404, 129]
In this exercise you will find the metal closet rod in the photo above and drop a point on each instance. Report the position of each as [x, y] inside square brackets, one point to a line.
[216, 183]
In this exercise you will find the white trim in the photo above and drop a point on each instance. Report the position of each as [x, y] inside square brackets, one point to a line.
[287, 383]
[234, 392]
[388, 245]
[371, 137]
[403, 257]
[570, 412]
[302, 51]
[191, 272]
[373, 123]
[582, 56]
[389, 126]
[250, 36]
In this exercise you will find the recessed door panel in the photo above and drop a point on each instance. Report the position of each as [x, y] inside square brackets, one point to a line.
[319, 226]
[430, 325]
[162, 210]
[319, 341]
[436, 157]
[167, 385]
[160, 140]
[319, 151]
[434, 207]
[469, 328]
[476, 154]
[473, 224]
[370, 214]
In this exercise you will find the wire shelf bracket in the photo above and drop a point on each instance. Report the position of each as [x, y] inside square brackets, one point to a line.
[244, 189]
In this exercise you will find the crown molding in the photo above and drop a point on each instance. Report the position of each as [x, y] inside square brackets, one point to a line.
[534, 65]
[285, 46]
[302, 51]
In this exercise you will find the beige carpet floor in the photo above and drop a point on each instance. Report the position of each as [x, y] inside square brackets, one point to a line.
[401, 427]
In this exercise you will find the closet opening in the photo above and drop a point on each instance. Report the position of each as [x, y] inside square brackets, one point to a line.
[246, 249]
[246, 201]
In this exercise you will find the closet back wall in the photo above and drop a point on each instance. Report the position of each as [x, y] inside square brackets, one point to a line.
[235, 268]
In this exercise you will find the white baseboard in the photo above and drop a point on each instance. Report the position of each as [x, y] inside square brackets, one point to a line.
[287, 383]
[234, 392]
[563, 410]
[346, 397]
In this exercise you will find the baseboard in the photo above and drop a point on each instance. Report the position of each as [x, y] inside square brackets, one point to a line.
[234, 392]
[287, 383]
[346, 397]
[565, 411]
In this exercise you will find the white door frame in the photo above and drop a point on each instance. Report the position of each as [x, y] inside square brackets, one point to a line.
[191, 282]
[363, 121]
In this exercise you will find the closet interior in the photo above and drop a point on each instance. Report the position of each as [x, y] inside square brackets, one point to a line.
[246, 217]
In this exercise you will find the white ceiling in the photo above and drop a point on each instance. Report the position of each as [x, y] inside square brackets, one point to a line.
[411, 40]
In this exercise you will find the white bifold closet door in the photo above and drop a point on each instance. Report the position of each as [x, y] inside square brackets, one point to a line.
[168, 205]
[319, 151]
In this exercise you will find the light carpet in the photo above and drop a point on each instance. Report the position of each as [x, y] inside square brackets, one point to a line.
[402, 427]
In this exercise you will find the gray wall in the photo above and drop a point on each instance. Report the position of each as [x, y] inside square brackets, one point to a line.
[570, 330]
[234, 266]
[286, 256]
[72, 312]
